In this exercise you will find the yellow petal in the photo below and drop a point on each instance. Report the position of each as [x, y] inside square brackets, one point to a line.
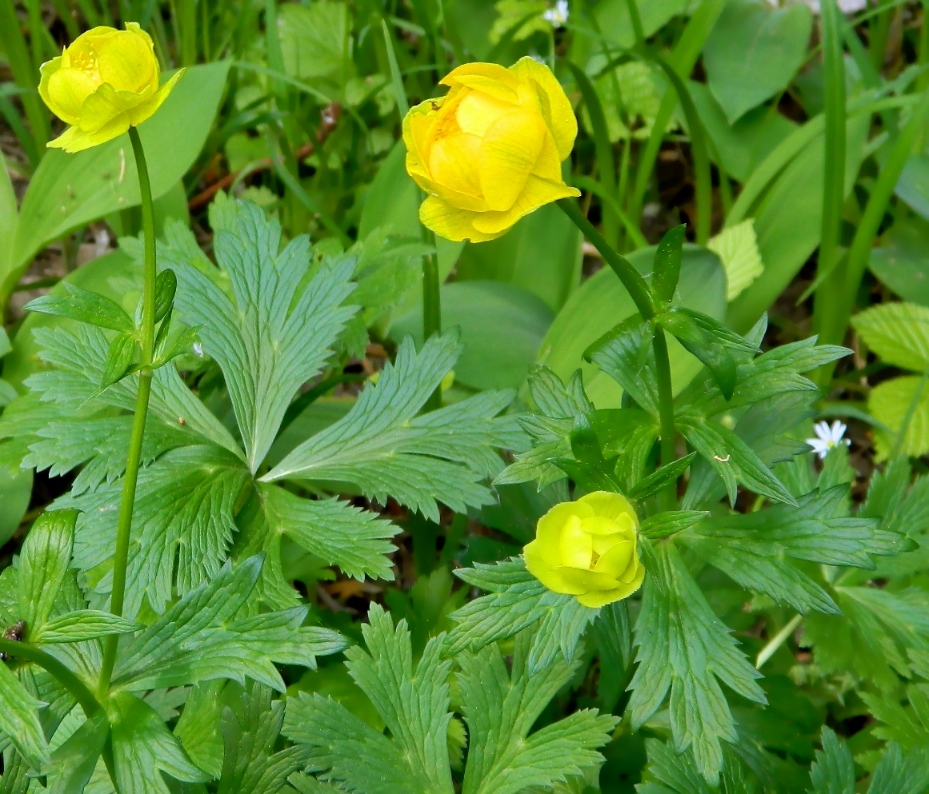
[74, 139]
[452, 164]
[450, 222]
[549, 527]
[489, 73]
[536, 192]
[105, 105]
[508, 153]
[575, 547]
[617, 560]
[127, 61]
[556, 108]
[546, 573]
[146, 110]
[547, 165]
[476, 112]
[65, 92]
[416, 126]
[609, 505]
[588, 580]
[598, 598]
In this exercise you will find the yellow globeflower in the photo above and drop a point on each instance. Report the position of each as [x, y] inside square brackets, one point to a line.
[587, 549]
[490, 151]
[104, 83]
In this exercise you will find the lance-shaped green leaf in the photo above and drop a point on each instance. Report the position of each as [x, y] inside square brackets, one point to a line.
[833, 771]
[43, 566]
[278, 330]
[78, 304]
[667, 269]
[686, 651]
[625, 354]
[83, 625]
[385, 448]
[19, 720]
[73, 762]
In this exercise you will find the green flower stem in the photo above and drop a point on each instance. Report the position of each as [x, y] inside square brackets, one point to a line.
[638, 290]
[147, 345]
[432, 305]
[777, 641]
[55, 668]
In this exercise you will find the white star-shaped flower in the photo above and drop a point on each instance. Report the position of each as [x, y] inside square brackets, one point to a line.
[558, 16]
[827, 437]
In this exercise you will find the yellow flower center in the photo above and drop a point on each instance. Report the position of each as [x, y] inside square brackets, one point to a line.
[86, 61]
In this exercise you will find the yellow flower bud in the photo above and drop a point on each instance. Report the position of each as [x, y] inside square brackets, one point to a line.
[587, 549]
[104, 83]
[490, 151]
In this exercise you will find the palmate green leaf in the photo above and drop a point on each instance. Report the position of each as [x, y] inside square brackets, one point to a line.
[833, 771]
[386, 449]
[872, 636]
[685, 650]
[901, 774]
[250, 731]
[202, 638]
[143, 748]
[732, 459]
[413, 702]
[754, 549]
[556, 408]
[501, 706]
[182, 523]
[278, 331]
[19, 720]
[339, 534]
[625, 354]
[669, 772]
[517, 600]
[906, 724]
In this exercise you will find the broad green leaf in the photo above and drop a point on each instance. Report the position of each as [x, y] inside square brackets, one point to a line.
[602, 302]
[911, 187]
[316, 40]
[413, 702]
[902, 406]
[143, 748]
[541, 253]
[278, 332]
[742, 77]
[73, 762]
[738, 147]
[69, 190]
[901, 263]
[500, 707]
[898, 333]
[502, 326]
[85, 624]
[15, 495]
[737, 249]
[385, 448]
[833, 772]
[685, 650]
[203, 637]
[182, 524]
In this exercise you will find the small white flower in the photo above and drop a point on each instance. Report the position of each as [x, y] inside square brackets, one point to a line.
[198, 349]
[827, 437]
[557, 16]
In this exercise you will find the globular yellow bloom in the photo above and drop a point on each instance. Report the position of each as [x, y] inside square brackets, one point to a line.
[490, 151]
[104, 83]
[587, 549]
